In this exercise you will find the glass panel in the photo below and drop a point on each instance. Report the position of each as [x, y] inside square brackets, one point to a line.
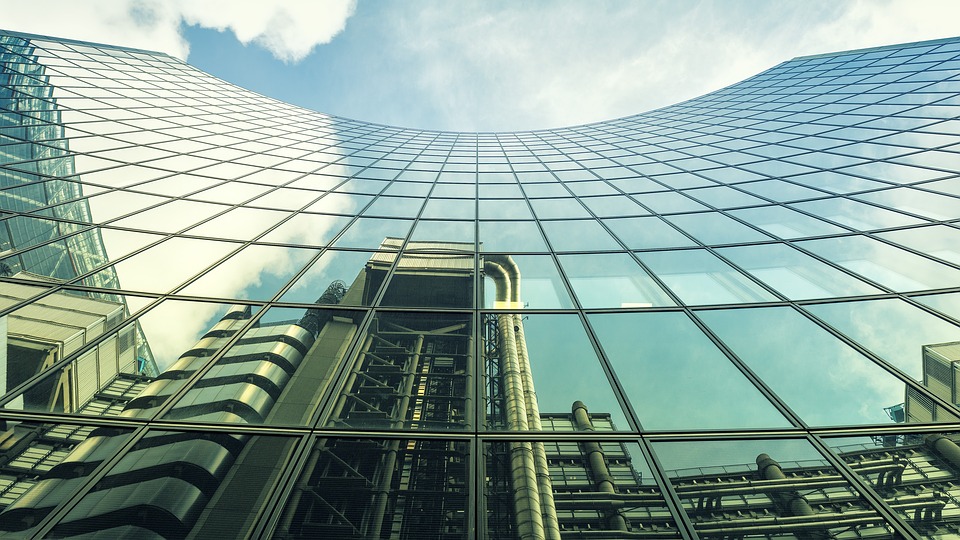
[255, 272]
[171, 217]
[766, 489]
[714, 228]
[511, 236]
[905, 336]
[413, 371]
[178, 484]
[917, 202]
[542, 287]
[607, 280]
[504, 209]
[405, 207]
[884, 264]
[383, 488]
[275, 373]
[616, 205]
[910, 471]
[647, 233]
[535, 366]
[793, 274]
[699, 277]
[668, 202]
[450, 209]
[599, 489]
[584, 235]
[162, 267]
[786, 223]
[724, 197]
[309, 229]
[238, 224]
[822, 379]
[938, 241]
[857, 215]
[425, 279]
[948, 303]
[371, 233]
[675, 378]
[558, 208]
[45, 465]
[453, 234]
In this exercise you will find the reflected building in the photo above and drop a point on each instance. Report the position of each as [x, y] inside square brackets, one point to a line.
[226, 316]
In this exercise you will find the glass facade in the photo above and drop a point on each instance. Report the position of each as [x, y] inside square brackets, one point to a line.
[226, 316]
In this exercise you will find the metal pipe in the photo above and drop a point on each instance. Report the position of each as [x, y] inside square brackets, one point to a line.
[946, 448]
[791, 501]
[523, 469]
[598, 465]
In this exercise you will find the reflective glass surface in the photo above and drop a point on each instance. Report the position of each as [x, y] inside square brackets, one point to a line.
[224, 316]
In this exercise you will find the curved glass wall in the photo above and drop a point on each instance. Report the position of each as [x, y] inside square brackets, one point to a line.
[226, 316]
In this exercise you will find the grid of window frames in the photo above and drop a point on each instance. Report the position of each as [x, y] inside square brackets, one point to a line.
[226, 316]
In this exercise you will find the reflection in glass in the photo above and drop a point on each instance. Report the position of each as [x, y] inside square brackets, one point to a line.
[167, 480]
[887, 265]
[274, 373]
[605, 280]
[413, 371]
[716, 228]
[892, 329]
[822, 379]
[380, 488]
[552, 354]
[38, 336]
[766, 489]
[339, 277]
[675, 378]
[699, 277]
[51, 462]
[911, 472]
[793, 274]
[597, 489]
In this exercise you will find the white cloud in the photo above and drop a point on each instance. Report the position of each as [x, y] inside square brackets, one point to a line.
[526, 67]
[289, 29]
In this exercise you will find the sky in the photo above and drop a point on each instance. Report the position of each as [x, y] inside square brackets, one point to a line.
[486, 66]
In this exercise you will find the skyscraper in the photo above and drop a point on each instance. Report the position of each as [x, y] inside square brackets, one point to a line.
[732, 317]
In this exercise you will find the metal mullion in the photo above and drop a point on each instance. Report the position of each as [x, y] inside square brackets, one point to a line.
[670, 497]
[274, 507]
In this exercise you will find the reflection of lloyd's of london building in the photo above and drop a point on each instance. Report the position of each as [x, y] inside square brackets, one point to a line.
[723, 303]
[412, 372]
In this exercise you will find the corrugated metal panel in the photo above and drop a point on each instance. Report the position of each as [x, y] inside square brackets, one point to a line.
[36, 330]
[85, 376]
[107, 359]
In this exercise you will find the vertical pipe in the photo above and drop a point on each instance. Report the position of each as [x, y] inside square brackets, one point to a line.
[598, 465]
[548, 507]
[523, 467]
[793, 502]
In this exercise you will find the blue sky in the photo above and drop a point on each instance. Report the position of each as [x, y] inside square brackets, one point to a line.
[487, 65]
